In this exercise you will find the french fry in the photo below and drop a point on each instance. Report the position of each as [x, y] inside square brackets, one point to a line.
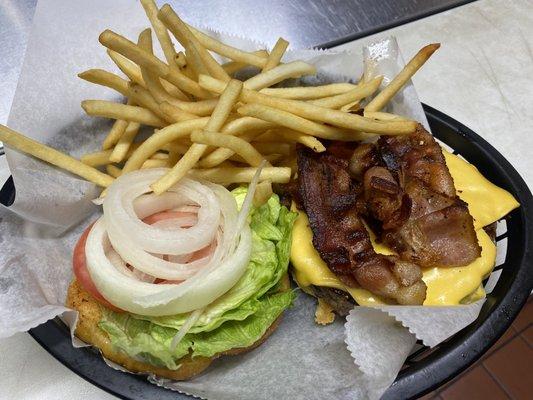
[180, 59]
[317, 113]
[229, 175]
[221, 112]
[293, 69]
[276, 54]
[263, 192]
[383, 116]
[402, 78]
[247, 128]
[154, 164]
[144, 98]
[356, 94]
[104, 78]
[309, 92]
[176, 147]
[200, 108]
[299, 137]
[150, 8]
[160, 139]
[233, 66]
[128, 68]
[125, 142]
[175, 114]
[228, 51]
[99, 158]
[119, 126]
[217, 157]
[20, 142]
[180, 30]
[109, 109]
[195, 66]
[153, 83]
[159, 156]
[130, 50]
[273, 147]
[297, 123]
[113, 170]
[239, 146]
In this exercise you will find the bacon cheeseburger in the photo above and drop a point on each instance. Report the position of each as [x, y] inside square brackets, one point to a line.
[166, 283]
[399, 221]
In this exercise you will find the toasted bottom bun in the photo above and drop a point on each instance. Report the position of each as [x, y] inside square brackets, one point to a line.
[88, 331]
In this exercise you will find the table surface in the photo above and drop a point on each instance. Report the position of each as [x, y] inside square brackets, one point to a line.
[481, 76]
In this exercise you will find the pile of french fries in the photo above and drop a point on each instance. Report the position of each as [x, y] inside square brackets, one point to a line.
[208, 125]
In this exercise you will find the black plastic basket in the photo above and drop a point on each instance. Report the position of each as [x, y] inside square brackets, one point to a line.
[426, 368]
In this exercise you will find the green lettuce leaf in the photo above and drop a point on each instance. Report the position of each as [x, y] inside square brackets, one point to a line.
[271, 226]
[236, 319]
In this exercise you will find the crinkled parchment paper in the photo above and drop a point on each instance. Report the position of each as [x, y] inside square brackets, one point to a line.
[38, 232]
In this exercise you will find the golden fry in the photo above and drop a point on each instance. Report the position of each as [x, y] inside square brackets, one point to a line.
[109, 109]
[276, 54]
[383, 116]
[309, 92]
[124, 143]
[113, 170]
[273, 148]
[20, 142]
[114, 134]
[356, 94]
[104, 78]
[128, 68]
[200, 108]
[297, 123]
[239, 146]
[180, 59]
[180, 30]
[228, 51]
[317, 113]
[221, 112]
[130, 50]
[144, 98]
[293, 69]
[229, 175]
[154, 164]
[233, 66]
[307, 140]
[402, 78]
[174, 113]
[160, 139]
[99, 158]
[160, 30]
[153, 83]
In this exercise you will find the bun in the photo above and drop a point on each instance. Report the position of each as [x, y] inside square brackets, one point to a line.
[87, 330]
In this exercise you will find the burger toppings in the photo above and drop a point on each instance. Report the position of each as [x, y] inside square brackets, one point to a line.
[401, 187]
[436, 228]
[330, 200]
[192, 238]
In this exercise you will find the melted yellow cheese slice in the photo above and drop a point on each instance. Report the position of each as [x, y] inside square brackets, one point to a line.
[487, 202]
[446, 286]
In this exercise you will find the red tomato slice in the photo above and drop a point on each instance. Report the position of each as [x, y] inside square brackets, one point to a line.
[161, 216]
[79, 262]
[79, 265]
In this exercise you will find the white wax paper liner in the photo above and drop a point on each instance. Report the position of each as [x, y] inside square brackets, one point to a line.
[302, 359]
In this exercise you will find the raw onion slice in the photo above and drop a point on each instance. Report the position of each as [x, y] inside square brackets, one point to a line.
[194, 241]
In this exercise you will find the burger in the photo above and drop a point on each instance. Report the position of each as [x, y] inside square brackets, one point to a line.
[165, 284]
[396, 221]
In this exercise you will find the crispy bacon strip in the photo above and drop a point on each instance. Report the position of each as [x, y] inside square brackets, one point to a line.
[423, 219]
[330, 197]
